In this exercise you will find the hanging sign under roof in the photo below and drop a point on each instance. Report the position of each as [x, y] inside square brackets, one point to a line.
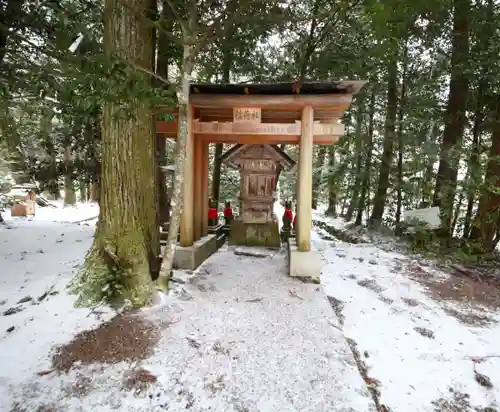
[247, 115]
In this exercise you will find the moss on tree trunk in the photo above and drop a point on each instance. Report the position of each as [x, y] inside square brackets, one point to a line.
[119, 266]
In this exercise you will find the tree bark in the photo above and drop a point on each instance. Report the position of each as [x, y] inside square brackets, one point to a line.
[69, 189]
[474, 166]
[400, 117]
[365, 184]
[82, 186]
[8, 18]
[429, 170]
[163, 61]
[317, 175]
[123, 258]
[487, 220]
[359, 164]
[387, 151]
[219, 147]
[187, 67]
[227, 62]
[455, 118]
[332, 186]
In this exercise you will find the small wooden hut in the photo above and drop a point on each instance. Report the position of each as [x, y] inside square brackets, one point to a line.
[260, 166]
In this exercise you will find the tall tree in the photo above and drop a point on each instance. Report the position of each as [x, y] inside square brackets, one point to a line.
[455, 117]
[319, 164]
[332, 184]
[486, 230]
[121, 262]
[358, 172]
[380, 198]
[365, 184]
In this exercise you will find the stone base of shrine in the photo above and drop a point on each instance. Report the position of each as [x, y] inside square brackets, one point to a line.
[303, 264]
[219, 232]
[255, 234]
[191, 257]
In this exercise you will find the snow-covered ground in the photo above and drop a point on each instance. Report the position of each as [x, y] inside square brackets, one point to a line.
[237, 335]
[37, 258]
[79, 212]
[422, 334]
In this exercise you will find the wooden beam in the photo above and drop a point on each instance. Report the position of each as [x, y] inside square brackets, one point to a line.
[291, 101]
[270, 116]
[167, 128]
[304, 194]
[264, 139]
[229, 128]
[186, 229]
[258, 129]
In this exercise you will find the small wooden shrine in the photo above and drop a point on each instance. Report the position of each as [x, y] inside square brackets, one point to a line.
[293, 113]
[260, 166]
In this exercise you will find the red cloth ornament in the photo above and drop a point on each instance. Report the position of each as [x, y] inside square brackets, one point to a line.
[288, 213]
[228, 211]
[212, 213]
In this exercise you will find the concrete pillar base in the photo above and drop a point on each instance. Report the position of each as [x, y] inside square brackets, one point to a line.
[191, 257]
[303, 264]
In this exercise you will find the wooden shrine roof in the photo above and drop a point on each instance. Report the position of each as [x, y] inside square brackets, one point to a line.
[279, 154]
[305, 88]
[280, 106]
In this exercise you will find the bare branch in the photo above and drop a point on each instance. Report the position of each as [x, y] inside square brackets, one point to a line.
[170, 86]
[176, 15]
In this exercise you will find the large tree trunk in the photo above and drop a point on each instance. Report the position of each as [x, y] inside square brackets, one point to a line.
[318, 175]
[429, 169]
[474, 166]
[8, 18]
[474, 171]
[19, 165]
[487, 221]
[359, 163]
[219, 147]
[123, 258]
[400, 139]
[455, 117]
[387, 151]
[164, 50]
[82, 187]
[94, 132]
[95, 192]
[332, 184]
[365, 184]
[188, 59]
[227, 62]
[69, 188]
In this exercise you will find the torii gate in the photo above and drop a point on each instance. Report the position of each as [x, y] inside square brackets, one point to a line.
[281, 113]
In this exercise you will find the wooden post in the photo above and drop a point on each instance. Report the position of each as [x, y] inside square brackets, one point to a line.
[198, 188]
[186, 229]
[204, 187]
[304, 212]
[297, 197]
